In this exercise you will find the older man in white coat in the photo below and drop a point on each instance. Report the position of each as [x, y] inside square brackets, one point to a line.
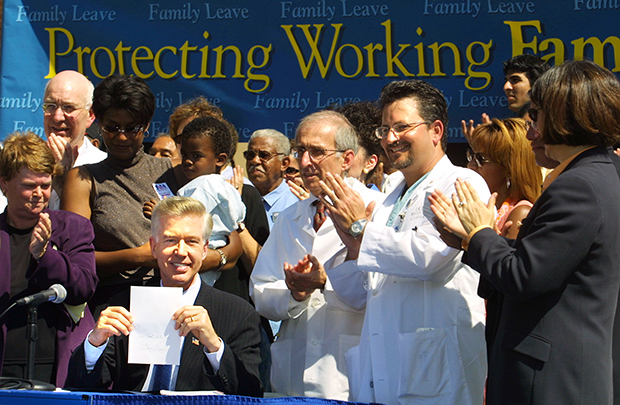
[423, 334]
[289, 281]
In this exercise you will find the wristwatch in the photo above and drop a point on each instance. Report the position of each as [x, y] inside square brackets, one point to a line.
[357, 227]
[223, 259]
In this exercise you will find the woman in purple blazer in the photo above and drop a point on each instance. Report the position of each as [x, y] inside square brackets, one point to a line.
[39, 248]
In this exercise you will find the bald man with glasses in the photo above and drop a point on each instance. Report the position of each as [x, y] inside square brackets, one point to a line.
[67, 114]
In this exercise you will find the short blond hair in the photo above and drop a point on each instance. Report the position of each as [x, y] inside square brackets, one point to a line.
[180, 207]
[26, 149]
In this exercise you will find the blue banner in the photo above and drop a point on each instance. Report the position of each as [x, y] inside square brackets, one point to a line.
[266, 64]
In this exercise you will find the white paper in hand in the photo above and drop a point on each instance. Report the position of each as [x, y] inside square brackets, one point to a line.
[153, 339]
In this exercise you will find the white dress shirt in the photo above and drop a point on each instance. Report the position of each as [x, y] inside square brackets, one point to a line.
[92, 353]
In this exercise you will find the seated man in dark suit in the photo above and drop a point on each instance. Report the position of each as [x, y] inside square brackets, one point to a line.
[222, 353]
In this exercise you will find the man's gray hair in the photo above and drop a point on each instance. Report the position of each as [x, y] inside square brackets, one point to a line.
[180, 207]
[281, 142]
[88, 96]
[345, 137]
[90, 91]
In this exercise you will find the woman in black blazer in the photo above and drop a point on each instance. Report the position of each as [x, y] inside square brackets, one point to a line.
[561, 276]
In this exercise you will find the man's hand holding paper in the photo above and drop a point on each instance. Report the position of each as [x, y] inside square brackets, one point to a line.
[196, 319]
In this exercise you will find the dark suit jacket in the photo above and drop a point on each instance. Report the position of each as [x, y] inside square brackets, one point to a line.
[236, 280]
[69, 260]
[235, 322]
[616, 346]
[560, 287]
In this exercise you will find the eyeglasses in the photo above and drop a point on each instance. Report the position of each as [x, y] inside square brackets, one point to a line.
[316, 154]
[531, 125]
[477, 157]
[291, 171]
[67, 109]
[114, 130]
[533, 113]
[383, 131]
[263, 155]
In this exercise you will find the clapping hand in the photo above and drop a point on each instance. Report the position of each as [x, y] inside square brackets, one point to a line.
[304, 277]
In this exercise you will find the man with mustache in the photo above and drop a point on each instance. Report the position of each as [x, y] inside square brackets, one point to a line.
[267, 159]
[423, 334]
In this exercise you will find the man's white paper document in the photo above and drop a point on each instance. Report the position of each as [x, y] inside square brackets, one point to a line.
[153, 339]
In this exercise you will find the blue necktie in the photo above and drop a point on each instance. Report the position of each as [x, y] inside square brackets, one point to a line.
[162, 376]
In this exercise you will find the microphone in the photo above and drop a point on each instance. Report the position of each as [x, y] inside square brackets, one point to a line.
[56, 293]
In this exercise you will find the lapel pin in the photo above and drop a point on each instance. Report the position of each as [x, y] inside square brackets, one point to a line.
[195, 341]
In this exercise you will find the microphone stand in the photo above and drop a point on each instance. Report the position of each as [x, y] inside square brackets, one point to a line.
[32, 334]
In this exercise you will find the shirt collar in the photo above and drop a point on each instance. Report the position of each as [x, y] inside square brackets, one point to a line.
[190, 295]
[273, 196]
[560, 168]
[82, 149]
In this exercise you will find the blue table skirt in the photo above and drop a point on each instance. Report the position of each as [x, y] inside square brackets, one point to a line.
[10, 397]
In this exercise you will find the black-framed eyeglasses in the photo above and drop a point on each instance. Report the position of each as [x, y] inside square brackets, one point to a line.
[291, 171]
[316, 154]
[478, 157]
[67, 109]
[383, 131]
[263, 155]
[114, 130]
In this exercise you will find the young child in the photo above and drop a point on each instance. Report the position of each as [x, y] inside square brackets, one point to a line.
[205, 143]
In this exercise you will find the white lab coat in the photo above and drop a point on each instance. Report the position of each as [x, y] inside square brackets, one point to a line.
[308, 355]
[423, 336]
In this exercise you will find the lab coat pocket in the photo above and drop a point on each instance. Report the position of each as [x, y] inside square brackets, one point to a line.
[345, 343]
[424, 368]
[281, 366]
[354, 371]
